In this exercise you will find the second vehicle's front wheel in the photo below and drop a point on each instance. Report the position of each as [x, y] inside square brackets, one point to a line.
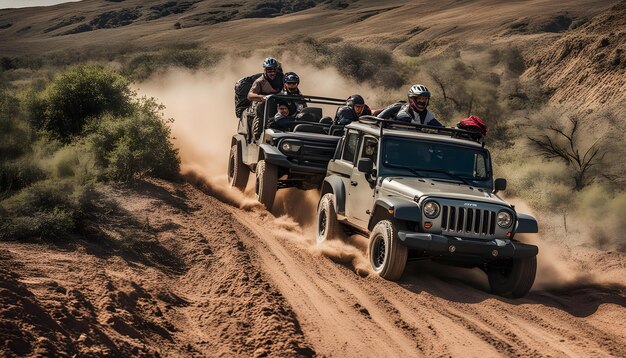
[266, 183]
[387, 255]
[327, 225]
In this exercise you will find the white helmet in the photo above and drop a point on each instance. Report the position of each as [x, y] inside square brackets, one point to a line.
[419, 90]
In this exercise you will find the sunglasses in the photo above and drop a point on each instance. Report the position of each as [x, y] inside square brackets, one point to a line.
[270, 70]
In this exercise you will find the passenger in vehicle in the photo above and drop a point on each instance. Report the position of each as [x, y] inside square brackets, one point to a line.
[283, 110]
[415, 111]
[265, 85]
[354, 108]
[290, 88]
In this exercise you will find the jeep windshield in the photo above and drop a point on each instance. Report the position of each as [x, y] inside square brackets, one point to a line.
[434, 160]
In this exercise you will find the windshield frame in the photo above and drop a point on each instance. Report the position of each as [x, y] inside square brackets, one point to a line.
[428, 173]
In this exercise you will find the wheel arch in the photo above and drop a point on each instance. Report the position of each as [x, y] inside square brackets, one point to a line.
[394, 208]
[334, 184]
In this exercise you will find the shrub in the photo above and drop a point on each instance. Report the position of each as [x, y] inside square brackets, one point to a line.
[49, 208]
[135, 145]
[72, 98]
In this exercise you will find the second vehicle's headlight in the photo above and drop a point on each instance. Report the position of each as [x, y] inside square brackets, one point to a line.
[431, 209]
[290, 147]
[504, 219]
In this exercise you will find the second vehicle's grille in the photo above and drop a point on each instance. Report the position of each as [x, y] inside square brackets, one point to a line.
[314, 154]
[462, 220]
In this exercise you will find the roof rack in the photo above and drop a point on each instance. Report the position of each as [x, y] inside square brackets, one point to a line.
[310, 99]
[383, 123]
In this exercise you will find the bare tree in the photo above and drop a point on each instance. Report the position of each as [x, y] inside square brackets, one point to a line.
[573, 139]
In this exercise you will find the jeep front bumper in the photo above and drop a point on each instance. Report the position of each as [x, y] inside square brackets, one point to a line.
[451, 247]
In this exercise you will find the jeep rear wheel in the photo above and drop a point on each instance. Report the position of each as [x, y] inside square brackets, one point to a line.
[512, 278]
[327, 225]
[238, 172]
[266, 183]
[387, 255]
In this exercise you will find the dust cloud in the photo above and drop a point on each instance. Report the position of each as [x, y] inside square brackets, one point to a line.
[202, 106]
[562, 265]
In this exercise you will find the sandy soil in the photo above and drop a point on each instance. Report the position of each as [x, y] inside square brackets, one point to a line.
[169, 270]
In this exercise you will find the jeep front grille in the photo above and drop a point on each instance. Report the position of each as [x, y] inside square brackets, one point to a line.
[316, 154]
[458, 220]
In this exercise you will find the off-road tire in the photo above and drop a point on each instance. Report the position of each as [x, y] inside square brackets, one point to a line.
[256, 128]
[266, 183]
[327, 225]
[238, 172]
[386, 253]
[514, 279]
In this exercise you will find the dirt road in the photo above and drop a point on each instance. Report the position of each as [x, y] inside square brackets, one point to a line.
[166, 269]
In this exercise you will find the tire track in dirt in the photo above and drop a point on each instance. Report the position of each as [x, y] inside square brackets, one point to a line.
[323, 306]
[439, 318]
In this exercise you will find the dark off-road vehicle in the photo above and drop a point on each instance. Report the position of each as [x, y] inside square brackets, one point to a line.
[423, 192]
[284, 153]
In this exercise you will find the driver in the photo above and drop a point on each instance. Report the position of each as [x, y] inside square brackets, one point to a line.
[282, 111]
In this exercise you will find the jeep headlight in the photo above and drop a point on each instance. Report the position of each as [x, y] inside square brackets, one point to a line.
[505, 219]
[290, 147]
[431, 209]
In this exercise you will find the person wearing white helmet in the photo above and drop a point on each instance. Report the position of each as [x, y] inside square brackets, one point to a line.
[415, 111]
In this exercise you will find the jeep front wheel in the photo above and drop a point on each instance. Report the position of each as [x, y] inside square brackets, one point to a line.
[512, 278]
[238, 172]
[266, 183]
[387, 255]
[327, 225]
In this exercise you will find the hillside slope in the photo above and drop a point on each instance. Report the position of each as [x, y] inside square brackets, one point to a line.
[167, 270]
[588, 64]
[576, 48]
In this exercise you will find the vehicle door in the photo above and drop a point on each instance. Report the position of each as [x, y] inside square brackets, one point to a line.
[345, 157]
[360, 196]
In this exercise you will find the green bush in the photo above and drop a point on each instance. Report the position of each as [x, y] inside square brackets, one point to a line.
[49, 208]
[135, 145]
[77, 95]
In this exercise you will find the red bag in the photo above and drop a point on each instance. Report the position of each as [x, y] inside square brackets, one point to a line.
[473, 124]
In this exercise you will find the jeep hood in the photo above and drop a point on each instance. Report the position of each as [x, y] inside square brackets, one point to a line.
[412, 187]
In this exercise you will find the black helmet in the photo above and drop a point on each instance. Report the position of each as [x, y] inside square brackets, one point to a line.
[291, 77]
[270, 62]
[355, 99]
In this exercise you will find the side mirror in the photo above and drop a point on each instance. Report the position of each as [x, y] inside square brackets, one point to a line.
[365, 165]
[499, 185]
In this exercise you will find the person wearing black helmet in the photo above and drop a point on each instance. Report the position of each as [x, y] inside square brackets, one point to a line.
[354, 108]
[415, 110]
[290, 88]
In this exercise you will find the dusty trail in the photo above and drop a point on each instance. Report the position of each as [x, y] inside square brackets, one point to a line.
[427, 313]
[167, 269]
